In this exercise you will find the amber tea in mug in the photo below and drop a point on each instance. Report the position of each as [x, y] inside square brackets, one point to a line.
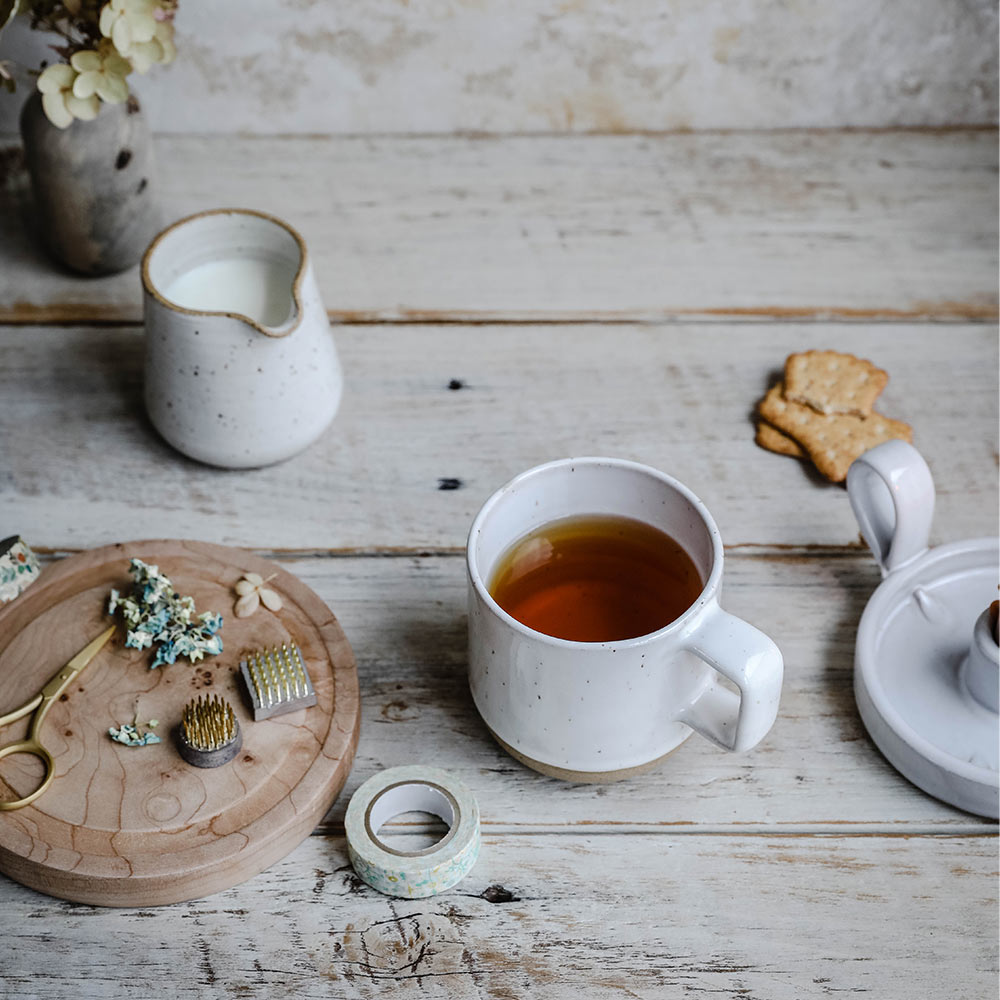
[595, 578]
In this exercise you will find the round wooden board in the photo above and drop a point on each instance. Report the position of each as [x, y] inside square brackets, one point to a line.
[136, 826]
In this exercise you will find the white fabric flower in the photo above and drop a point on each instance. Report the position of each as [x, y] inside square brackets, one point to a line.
[59, 100]
[253, 593]
[128, 22]
[102, 73]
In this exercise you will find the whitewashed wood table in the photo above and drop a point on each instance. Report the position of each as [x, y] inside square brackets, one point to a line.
[503, 302]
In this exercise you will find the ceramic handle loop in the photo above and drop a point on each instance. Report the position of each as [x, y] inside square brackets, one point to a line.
[749, 659]
[892, 495]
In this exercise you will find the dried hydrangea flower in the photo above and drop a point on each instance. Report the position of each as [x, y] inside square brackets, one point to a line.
[102, 41]
[60, 103]
[153, 612]
[159, 49]
[101, 72]
[253, 593]
[128, 21]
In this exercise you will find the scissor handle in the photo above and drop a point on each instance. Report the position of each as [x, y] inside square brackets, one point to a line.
[43, 702]
[33, 747]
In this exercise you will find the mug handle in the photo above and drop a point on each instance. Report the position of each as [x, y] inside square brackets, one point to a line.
[748, 658]
[892, 495]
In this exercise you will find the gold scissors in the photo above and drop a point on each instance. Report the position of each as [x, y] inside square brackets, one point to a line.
[43, 702]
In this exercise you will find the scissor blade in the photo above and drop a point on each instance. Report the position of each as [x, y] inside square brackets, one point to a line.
[90, 650]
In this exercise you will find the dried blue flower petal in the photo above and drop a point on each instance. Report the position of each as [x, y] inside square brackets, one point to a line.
[130, 736]
[138, 640]
[154, 612]
[211, 622]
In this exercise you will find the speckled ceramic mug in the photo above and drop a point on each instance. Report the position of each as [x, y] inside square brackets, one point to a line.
[241, 369]
[600, 711]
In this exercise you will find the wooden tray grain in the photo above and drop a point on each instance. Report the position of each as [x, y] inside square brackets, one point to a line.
[136, 826]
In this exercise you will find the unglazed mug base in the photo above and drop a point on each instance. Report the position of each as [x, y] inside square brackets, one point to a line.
[585, 777]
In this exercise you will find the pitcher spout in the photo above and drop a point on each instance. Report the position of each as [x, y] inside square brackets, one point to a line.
[251, 268]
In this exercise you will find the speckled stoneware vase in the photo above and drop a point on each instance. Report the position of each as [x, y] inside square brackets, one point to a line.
[93, 185]
[241, 368]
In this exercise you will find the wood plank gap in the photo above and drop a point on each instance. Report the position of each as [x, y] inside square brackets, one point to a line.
[943, 313]
[293, 555]
[765, 552]
[776, 552]
[923, 312]
[903, 830]
[97, 317]
[465, 135]
[930, 312]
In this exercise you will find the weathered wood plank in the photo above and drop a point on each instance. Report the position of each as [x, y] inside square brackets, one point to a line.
[549, 917]
[853, 225]
[817, 769]
[385, 66]
[409, 460]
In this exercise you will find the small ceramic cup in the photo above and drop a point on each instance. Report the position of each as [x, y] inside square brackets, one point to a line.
[981, 668]
[601, 711]
[241, 369]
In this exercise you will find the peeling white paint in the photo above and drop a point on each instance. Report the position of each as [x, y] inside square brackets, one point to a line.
[309, 66]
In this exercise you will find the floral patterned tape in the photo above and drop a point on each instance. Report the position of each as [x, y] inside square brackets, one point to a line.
[412, 874]
[18, 567]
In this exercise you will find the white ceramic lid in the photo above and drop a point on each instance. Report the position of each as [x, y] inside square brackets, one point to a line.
[912, 658]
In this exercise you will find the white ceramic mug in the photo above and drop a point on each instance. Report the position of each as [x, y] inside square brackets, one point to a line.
[241, 369]
[599, 711]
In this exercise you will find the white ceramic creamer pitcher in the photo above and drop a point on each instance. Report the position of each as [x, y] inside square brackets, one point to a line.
[241, 368]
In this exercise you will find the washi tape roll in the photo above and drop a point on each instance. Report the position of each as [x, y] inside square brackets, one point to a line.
[18, 567]
[412, 874]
